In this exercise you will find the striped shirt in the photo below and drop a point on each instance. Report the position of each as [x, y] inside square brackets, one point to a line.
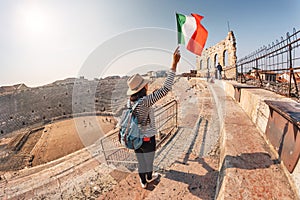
[144, 110]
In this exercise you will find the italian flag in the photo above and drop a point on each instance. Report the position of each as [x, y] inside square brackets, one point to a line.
[191, 32]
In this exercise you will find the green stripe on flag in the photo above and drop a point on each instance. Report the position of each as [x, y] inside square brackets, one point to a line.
[180, 21]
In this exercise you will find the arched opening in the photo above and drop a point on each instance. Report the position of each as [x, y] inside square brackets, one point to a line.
[208, 67]
[215, 65]
[225, 59]
[201, 63]
[215, 60]
[208, 63]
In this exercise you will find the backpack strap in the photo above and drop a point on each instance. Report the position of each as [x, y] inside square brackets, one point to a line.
[135, 105]
[130, 116]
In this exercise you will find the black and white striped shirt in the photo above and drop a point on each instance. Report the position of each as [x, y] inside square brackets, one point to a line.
[144, 107]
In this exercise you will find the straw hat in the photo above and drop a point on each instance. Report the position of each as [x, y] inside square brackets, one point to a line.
[136, 83]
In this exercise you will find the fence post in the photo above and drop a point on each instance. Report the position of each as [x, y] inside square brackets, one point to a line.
[103, 151]
[260, 80]
[291, 72]
[236, 73]
[241, 73]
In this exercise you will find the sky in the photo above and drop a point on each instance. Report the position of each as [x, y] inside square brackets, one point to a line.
[42, 41]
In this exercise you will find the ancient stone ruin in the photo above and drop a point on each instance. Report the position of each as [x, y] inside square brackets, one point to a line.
[224, 52]
[62, 99]
[25, 112]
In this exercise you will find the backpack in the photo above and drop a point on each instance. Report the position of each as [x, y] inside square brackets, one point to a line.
[129, 133]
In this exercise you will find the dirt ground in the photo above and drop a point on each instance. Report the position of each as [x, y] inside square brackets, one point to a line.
[56, 140]
[65, 137]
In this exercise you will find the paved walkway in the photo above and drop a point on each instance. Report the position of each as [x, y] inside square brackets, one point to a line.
[250, 169]
[189, 164]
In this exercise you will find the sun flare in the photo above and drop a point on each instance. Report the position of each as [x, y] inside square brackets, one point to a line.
[33, 19]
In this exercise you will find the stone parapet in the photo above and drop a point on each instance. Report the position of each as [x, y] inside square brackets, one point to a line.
[250, 165]
[252, 102]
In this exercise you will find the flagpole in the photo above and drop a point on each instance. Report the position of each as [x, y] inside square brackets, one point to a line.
[228, 26]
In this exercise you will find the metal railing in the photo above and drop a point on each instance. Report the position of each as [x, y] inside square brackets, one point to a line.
[166, 124]
[274, 67]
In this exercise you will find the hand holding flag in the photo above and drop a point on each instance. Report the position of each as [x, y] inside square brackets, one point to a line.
[176, 58]
[191, 32]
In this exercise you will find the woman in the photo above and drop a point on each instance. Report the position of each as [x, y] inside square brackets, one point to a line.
[145, 114]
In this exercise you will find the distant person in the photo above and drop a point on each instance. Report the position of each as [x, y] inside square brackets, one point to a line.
[220, 69]
[138, 87]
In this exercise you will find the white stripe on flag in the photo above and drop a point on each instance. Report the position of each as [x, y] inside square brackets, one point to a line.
[189, 28]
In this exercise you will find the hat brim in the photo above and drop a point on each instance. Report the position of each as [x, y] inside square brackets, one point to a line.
[131, 92]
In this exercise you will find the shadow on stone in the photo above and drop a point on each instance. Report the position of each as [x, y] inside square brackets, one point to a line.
[249, 161]
[205, 186]
[202, 186]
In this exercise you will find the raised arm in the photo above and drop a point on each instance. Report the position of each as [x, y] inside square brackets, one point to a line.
[176, 58]
[152, 98]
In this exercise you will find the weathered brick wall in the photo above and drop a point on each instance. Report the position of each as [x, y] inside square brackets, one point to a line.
[216, 54]
[230, 73]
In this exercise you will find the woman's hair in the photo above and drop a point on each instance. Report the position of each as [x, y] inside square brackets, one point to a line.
[139, 94]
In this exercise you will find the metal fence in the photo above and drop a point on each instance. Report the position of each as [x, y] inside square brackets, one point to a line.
[166, 124]
[275, 67]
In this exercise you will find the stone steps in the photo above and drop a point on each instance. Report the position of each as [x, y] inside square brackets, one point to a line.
[65, 179]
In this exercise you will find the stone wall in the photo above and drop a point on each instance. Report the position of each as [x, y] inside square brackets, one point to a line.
[207, 62]
[62, 99]
[252, 102]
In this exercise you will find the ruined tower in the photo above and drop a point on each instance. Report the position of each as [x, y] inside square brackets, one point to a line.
[224, 52]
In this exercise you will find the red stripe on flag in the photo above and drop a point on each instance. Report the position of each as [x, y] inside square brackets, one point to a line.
[198, 40]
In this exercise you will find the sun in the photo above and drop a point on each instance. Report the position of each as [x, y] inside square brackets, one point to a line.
[33, 19]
